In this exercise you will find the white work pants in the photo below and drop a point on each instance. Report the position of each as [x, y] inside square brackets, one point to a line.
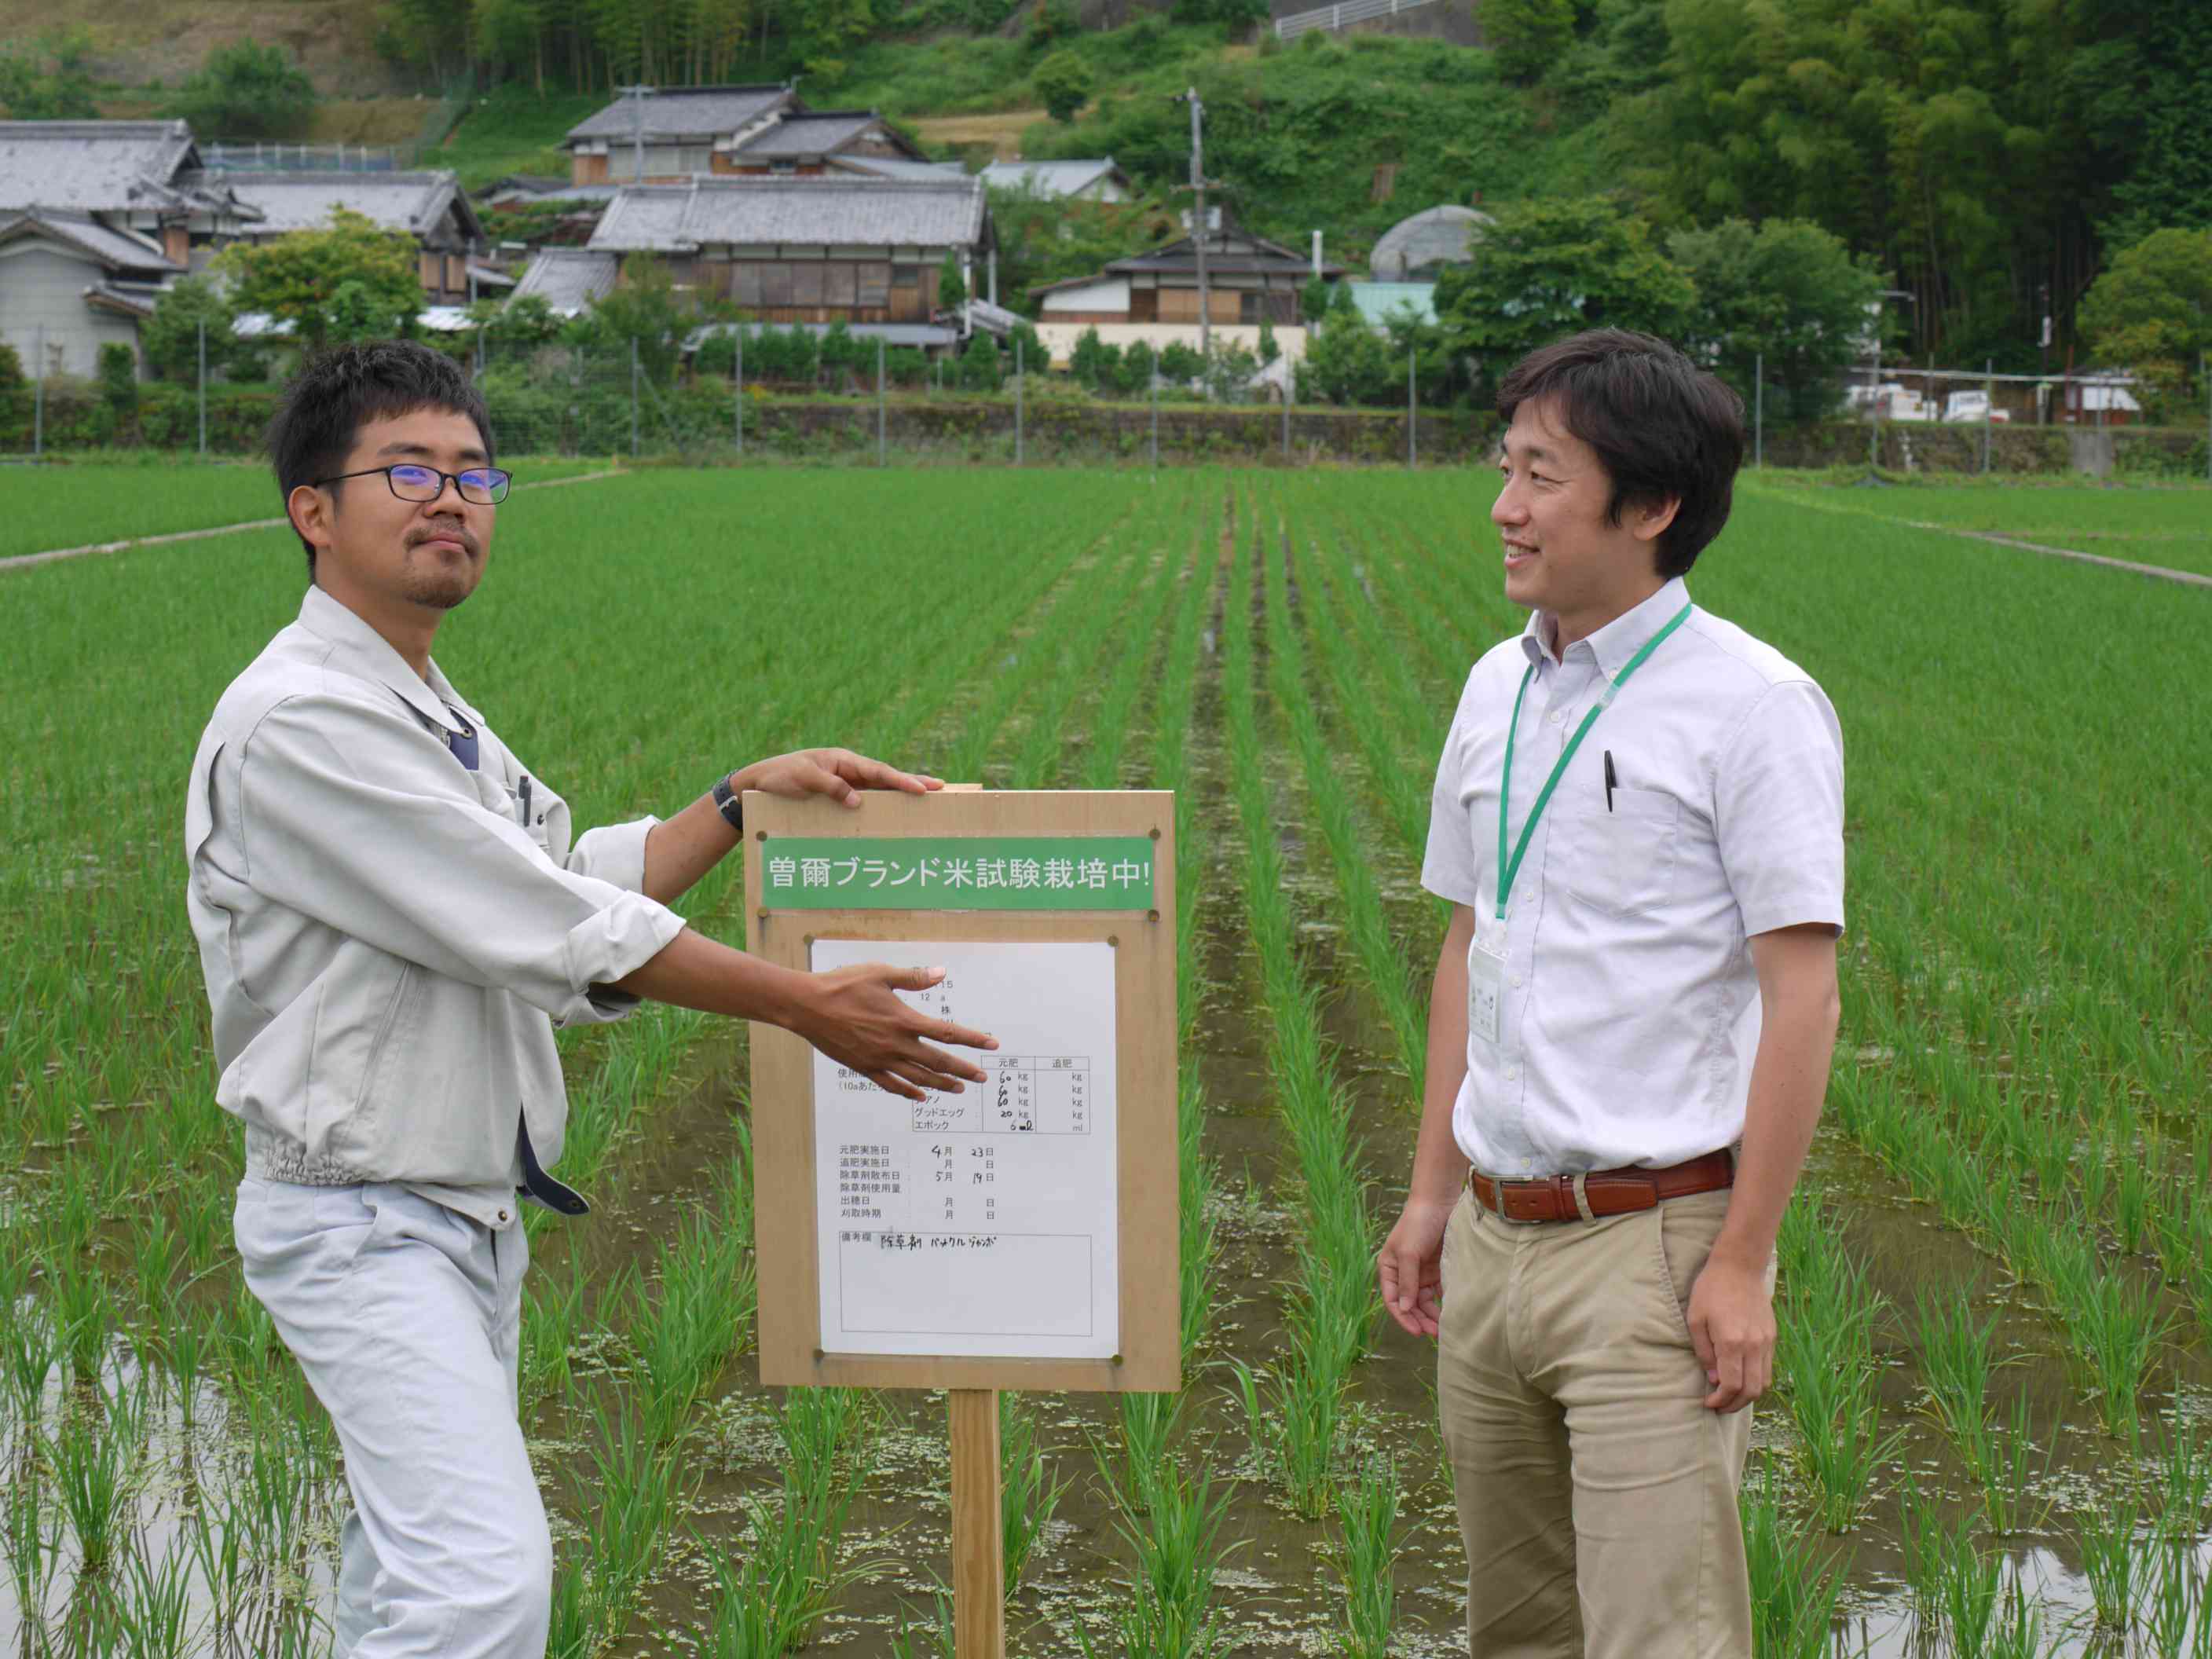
[406, 1318]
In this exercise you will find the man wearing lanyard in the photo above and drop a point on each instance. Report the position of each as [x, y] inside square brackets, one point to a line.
[392, 917]
[1639, 823]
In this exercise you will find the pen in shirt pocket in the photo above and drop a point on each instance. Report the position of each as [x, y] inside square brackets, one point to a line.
[526, 793]
[1611, 780]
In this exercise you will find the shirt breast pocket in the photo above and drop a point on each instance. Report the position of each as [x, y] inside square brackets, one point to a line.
[1622, 861]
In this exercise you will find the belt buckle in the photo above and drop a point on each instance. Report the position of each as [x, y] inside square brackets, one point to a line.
[1530, 1195]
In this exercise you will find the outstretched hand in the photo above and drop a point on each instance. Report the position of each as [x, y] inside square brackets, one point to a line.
[856, 1018]
[837, 773]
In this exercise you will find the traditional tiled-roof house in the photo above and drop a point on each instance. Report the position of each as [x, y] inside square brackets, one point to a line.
[94, 218]
[429, 206]
[867, 251]
[670, 136]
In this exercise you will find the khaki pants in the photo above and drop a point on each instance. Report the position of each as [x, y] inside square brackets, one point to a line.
[1597, 1495]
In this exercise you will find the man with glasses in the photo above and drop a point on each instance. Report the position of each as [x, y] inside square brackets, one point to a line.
[393, 917]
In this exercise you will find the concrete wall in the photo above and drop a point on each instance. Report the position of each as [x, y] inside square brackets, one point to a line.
[42, 286]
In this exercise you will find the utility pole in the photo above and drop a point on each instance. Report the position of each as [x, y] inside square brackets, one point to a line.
[1198, 223]
[637, 96]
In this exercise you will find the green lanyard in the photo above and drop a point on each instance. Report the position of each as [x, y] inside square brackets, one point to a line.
[1507, 871]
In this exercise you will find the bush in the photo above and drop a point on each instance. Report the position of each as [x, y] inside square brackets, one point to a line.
[247, 90]
[119, 383]
[170, 337]
[980, 368]
[1064, 85]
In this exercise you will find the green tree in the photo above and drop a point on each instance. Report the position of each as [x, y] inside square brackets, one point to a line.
[822, 34]
[1550, 268]
[118, 386]
[1347, 361]
[1313, 297]
[952, 291]
[1093, 363]
[1789, 292]
[979, 368]
[247, 90]
[171, 337]
[1269, 351]
[1526, 36]
[1064, 84]
[2151, 312]
[644, 307]
[49, 81]
[301, 277]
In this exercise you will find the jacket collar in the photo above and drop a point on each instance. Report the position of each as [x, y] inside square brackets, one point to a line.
[1612, 645]
[369, 653]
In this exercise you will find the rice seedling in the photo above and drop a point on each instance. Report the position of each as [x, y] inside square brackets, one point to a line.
[1293, 1415]
[1168, 1612]
[95, 1457]
[2110, 1560]
[1794, 1591]
[1365, 1555]
[701, 1315]
[1826, 1352]
[551, 1316]
[1030, 1490]
[31, 1539]
[642, 1485]
[932, 1638]
[791, 1569]
[2009, 1471]
[1129, 1466]
[153, 1614]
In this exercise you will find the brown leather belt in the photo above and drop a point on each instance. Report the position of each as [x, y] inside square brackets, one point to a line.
[1601, 1192]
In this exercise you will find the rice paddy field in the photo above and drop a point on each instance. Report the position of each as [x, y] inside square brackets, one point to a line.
[1991, 1433]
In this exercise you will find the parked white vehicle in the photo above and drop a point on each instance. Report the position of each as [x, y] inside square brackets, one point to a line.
[1894, 402]
[1971, 406]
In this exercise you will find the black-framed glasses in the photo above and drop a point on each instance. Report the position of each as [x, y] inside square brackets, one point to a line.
[484, 486]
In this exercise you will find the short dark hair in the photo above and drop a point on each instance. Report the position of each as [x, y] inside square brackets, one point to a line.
[338, 392]
[1661, 426]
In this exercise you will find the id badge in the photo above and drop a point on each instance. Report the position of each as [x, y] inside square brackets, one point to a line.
[1485, 984]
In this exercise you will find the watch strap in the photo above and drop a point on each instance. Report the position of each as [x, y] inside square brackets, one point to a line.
[727, 804]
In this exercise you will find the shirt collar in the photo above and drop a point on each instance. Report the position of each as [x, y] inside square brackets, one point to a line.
[1612, 645]
[370, 654]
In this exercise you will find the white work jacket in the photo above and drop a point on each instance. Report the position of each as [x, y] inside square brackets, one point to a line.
[389, 938]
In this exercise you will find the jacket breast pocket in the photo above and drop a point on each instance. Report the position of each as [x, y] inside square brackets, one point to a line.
[1621, 861]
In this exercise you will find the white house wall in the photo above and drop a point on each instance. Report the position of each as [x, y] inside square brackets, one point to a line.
[1059, 338]
[1112, 295]
[41, 287]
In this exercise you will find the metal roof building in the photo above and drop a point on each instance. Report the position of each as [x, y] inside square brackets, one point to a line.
[569, 279]
[1099, 180]
[1413, 247]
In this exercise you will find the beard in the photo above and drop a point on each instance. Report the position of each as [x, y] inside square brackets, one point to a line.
[438, 581]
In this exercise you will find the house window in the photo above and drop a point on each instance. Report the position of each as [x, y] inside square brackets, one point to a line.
[783, 166]
[906, 275]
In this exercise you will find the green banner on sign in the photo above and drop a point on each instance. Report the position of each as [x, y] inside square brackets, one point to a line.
[957, 872]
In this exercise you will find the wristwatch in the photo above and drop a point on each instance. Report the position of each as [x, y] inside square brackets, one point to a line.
[727, 804]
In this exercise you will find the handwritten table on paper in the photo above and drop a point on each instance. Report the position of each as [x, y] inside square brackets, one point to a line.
[982, 1223]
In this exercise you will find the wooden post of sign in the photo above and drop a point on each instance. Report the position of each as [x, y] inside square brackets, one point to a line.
[979, 1574]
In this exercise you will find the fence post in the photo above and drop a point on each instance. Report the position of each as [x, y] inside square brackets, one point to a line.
[1288, 372]
[738, 381]
[1018, 400]
[633, 396]
[1989, 405]
[202, 334]
[882, 447]
[1410, 416]
[2204, 374]
[1153, 380]
[1758, 409]
[39, 391]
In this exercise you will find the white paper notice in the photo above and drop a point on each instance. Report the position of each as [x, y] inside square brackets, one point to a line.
[984, 1222]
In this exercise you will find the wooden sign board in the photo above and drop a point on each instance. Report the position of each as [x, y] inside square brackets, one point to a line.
[1021, 1234]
